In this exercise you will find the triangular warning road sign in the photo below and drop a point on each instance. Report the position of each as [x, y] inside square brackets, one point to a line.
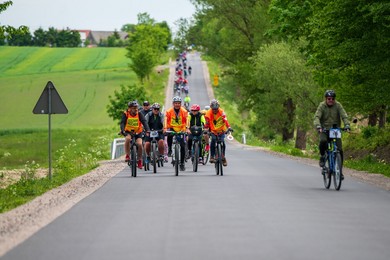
[50, 102]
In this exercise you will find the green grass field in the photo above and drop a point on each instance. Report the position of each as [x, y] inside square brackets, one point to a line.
[84, 78]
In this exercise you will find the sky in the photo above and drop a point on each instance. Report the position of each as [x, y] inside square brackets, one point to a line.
[96, 15]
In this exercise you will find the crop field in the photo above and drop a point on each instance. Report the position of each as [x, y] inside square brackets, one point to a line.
[83, 77]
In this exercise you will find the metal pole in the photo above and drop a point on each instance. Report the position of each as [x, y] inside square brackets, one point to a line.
[50, 175]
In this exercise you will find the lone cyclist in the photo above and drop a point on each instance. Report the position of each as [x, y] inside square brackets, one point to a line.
[329, 114]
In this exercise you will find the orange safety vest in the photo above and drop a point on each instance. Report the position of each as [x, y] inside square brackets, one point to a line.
[176, 122]
[133, 123]
[217, 123]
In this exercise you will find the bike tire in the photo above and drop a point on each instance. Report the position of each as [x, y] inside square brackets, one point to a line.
[327, 176]
[134, 161]
[196, 157]
[216, 162]
[338, 170]
[219, 147]
[154, 157]
[177, 159]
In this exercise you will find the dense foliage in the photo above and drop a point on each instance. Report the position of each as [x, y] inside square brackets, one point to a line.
[283, 55]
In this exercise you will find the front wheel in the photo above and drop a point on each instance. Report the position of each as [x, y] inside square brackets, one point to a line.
[134, 161]
[177, 159]
[326, 174]
[338, 170]
[196, 157]
[154, 157]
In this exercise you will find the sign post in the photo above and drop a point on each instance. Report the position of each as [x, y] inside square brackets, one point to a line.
[49, 103]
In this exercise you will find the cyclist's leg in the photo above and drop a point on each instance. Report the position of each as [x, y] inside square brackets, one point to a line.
[189, 144]
[323, 146]
[169, 141]
[139, 146]
[182, 150]
[160, 145]
[212, 146]
[147, 147]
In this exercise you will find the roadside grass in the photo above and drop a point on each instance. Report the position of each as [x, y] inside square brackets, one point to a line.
[84, 78]
[367, 140]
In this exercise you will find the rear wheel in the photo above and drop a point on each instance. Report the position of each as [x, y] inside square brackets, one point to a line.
[327, 176]
[220, 159]
[177, 159]
[338, 169]
[196, 157]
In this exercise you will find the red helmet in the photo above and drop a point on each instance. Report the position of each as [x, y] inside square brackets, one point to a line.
[195, 107]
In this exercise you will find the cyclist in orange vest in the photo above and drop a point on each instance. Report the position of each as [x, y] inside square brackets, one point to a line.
[217, 123]
[176, 120]
[132, 121]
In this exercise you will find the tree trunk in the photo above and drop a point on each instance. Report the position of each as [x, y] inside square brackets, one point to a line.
[288, 130]
[372, 119]
[382, 117]
[300, 141]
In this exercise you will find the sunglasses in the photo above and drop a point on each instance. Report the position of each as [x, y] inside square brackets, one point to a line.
[156, 109]
[329, 98]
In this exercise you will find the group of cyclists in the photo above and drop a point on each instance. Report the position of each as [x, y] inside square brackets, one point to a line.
[140, 121]
[182, 71]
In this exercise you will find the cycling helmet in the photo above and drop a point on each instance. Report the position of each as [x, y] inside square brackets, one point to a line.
[133, 103]
[176, 99]
[195, 107]
[156, 105]
[330, 93]
[206, 107]
[146, 103]
[214, 104]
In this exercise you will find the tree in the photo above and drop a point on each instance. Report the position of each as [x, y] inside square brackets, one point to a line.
[118, 102]
[40, 38]
[146, 44]
[6, 31]
[284, 96]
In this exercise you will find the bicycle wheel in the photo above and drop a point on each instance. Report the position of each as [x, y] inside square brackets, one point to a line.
[219, 147]
[338, 169]
[216, 162]
[196, 157]
[326, 174]
[134, 161]
[177, 159]
[154, 157]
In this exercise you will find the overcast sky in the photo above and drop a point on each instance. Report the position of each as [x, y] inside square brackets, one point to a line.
[95, 15]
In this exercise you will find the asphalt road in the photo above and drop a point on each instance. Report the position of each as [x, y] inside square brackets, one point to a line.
[264, 207]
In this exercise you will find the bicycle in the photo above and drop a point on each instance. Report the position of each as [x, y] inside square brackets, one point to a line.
[133, 153]
[196, 132]
[333, 162]
[205, 155]
[176, 149]
[156, 159]
[218, 152]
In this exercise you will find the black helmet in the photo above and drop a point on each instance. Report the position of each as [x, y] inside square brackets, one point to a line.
[330, 93]
[146, 103]
[133, 103]
[214, 104]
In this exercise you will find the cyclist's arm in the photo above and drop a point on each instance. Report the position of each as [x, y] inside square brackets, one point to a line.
[317, 117]
[144, 122]
[344, 116]
[123, 122]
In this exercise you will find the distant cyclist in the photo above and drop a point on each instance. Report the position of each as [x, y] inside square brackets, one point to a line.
[133, 121]
[217, 122]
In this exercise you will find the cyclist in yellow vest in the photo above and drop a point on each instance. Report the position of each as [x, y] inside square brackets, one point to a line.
[217, 123]
[133, 121]
[176, 120]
